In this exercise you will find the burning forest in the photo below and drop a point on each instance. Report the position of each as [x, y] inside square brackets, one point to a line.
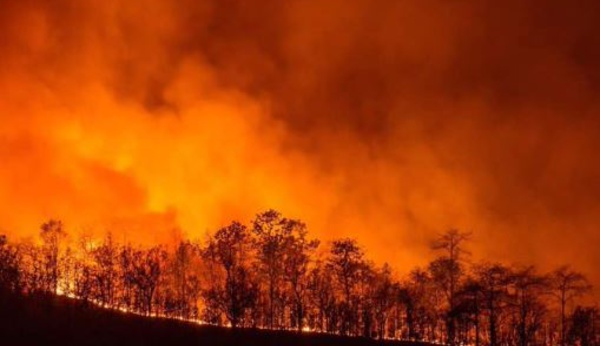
[370, 126]
[270, 274]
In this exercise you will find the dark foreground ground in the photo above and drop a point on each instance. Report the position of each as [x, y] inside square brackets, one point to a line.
[61, 321]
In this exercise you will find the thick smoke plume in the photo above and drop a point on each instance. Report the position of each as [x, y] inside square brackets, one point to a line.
[389, 121]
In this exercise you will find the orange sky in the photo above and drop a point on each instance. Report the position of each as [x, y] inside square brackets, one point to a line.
[388, 121]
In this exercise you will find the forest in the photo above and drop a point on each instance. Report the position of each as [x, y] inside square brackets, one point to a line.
[270, 274]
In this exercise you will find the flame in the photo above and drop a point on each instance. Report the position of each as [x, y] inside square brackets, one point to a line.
[388, 123]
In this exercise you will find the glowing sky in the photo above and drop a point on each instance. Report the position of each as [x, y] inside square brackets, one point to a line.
[388, 121]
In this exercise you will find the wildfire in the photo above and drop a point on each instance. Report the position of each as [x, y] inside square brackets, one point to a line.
[271, 277]
[385, 122]
[144, 122]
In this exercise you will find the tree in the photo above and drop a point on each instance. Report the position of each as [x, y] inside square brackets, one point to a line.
[493, 280]
[104, 272]
[84, 282]
[322, 296]
[33, 268]
[143, 272]
[273, 233]
[127, 277]
[567, 284]
[229, 249]
[297, 258]
[468, 309]
[584, 327]
[346, 259]
[364, 300]
[186, 283]
[68, 273]
[52, 234]
[10, 267]
[528, 289]
[384, 298]
[421, 297]
[408, 299]
[447, 271]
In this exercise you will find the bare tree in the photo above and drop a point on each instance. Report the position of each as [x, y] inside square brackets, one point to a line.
[10, 267]
[493, 280]
[297, 258]
[127, 277]
[468, 310]
[346, 260]
[529, 287]
[567, 284]
[584, 327]
[145, 268]
[272, 233]
[68, 273]
[52, 234]
[185, 281]
[385, 292]
[447, 271]
[364, 300]
[322, 297]
[105, 258]
[421, 297]
[230, 249]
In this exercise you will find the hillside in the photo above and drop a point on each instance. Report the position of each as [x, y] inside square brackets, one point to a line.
[61, 321]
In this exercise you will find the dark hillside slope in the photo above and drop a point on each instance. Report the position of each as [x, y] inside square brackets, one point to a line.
[61, 321]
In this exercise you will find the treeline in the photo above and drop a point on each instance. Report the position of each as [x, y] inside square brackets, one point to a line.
[270, 274]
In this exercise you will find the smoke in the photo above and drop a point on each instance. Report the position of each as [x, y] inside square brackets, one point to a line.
[388, 121]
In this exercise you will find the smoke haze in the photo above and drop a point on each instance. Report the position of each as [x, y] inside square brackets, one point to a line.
[388, 121]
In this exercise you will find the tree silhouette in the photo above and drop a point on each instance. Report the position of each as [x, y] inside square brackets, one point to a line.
[146, 268]
[468, 309]
[10, 272]
[273, 233]
[272, 275]
[230, 249]
[584, 327]
[493, 281]
[105, 271]
[447, 271]
[528, 289]
[567, 284]
[346, 260]
[52, 234]
[322, 296]
[186, 282]
[385, 296]
[297, 258]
